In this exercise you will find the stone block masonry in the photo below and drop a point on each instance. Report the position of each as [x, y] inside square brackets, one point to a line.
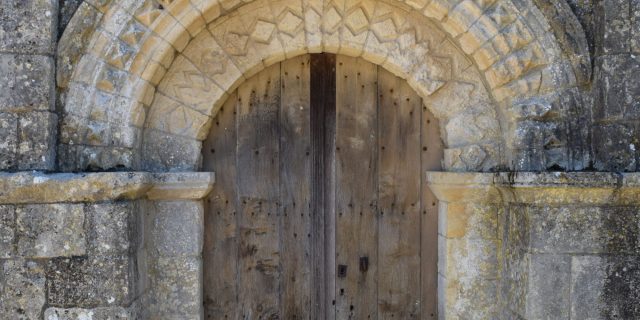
[28, 120]
[101, 245]
[548, 246]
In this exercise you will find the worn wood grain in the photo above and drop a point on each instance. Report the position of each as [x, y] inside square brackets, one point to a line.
[258, 191]
[356, 188]
[399, 199]
[220, 253]
[323, 101]
[432, 150]
[295, 186]
[321, 208]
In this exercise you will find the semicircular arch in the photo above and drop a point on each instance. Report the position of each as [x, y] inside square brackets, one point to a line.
[145, 84]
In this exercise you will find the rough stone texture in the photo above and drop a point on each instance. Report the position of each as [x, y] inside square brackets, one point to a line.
[569, 245]
[26, 97]
[7, 231]
[585, 230]
[110, 228]
[54, 230]
[9, 145]
[605, 287]
[174, 228]
[28, 26]
[175, 288]
[549, 287]
[25, 83]
[36, 136]
[66, 9]
[105, 313]
[89, 282]
[22, 289]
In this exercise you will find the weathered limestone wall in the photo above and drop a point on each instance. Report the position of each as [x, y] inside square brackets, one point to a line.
[616, 88]
[572, 262]
[538, 246]
[102, 245]
[61, 256]
[28, 120]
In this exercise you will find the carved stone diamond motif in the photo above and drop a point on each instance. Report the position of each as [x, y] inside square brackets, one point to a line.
[357, 21]
[385, 30]
[290, 23]
[263, 31]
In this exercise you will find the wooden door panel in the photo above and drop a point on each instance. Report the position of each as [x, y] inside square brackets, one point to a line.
[399, 162]
[323, 100]
[356, 188]
[221, 233]
[431, 157]
[258, 187]
[321, 209]
[295, 188]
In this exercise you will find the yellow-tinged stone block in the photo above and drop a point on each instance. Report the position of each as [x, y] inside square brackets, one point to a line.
[438, 9]
[185, 83]
[168, 115]
[456, 217]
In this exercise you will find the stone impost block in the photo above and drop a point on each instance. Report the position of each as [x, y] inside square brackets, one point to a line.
[551, 188]
[22, 289]
[50, 230]
[28, 26]
[35, 187]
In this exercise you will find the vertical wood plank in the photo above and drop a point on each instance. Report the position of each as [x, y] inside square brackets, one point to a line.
[323, 98]
[432, 151]
[399, 199]
[295, 186]
[356, 188]
[258, 192]
[220, 254]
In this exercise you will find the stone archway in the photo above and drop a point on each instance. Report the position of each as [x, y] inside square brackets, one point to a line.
[499, 53]
[141, 87]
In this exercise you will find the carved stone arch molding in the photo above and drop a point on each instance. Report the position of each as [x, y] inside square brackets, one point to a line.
[142, 85]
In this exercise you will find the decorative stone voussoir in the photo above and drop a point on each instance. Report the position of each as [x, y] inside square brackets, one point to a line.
[138, 41]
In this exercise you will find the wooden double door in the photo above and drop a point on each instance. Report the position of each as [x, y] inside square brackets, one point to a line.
[320, 208]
